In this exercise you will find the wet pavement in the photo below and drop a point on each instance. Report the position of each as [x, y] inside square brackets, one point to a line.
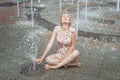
[98, 43]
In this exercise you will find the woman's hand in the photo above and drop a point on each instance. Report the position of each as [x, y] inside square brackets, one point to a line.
[39, 60]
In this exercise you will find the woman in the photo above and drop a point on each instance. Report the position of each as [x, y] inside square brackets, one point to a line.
[66, 37]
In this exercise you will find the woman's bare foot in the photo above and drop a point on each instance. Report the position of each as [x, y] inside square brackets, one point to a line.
[46, 66]
[77, 64]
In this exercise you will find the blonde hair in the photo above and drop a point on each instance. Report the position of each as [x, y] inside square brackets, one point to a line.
[61, 19]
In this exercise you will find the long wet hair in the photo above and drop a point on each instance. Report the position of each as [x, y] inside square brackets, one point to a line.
[70, 19]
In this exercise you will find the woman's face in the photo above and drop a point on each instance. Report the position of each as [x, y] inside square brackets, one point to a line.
[66, 18]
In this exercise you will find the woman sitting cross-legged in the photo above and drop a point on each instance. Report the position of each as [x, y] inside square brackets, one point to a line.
[66, 55]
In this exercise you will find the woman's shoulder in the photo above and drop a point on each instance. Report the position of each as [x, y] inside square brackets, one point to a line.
[56, 28]
[72, 29]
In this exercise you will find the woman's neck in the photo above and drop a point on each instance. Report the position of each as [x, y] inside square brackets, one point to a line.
[65, 28]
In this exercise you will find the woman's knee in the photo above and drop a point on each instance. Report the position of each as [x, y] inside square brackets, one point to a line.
[47, 59]
[51, 60]
[76, 53]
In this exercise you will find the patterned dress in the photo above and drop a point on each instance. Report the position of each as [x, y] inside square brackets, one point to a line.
[64, 39]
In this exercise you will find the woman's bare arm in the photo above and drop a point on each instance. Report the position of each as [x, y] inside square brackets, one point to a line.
[50, 44]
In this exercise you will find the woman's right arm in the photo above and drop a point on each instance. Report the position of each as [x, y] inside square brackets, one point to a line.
[50, 44]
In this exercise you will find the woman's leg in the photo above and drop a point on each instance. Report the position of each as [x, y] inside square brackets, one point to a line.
[74, 62]
[68, 59]
[53, 59]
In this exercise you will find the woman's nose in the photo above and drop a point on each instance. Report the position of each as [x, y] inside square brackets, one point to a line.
[65, 18]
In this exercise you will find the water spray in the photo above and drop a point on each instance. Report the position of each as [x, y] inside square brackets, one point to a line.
[24, 6]
[60, 6]
[86, 10]
[32, 13]
[118, 4]
[72, 2]
[77, 18]
[18, 9]
[36, 48]
[39, 1]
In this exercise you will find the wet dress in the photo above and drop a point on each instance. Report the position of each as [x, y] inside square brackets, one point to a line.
[64, 39]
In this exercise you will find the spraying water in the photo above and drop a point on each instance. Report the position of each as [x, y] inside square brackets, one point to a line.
[60, 6]
[118, 3]
[39, 1]
[72, 2]
[77, 18]
[32, 13]
[86, 10]
[33, 53]
[18, 10]
[24, 6]
[28, 47]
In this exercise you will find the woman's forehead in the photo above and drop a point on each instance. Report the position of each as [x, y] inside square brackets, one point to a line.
[65, 15]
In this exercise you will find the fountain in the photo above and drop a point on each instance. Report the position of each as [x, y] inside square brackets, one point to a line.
[86, 10]
[95, 15]
[77, 18]
[18, 10]
[98, 35]
[95, 18]
[32, 13]
[72, 2]
[60, 6]
[39, 1]
[118, 2]
[24, 6]
[28, 49]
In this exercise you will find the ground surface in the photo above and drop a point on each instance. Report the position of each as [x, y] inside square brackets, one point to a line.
[19, 43]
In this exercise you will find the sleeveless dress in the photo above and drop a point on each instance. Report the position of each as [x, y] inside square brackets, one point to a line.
[64, 40]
